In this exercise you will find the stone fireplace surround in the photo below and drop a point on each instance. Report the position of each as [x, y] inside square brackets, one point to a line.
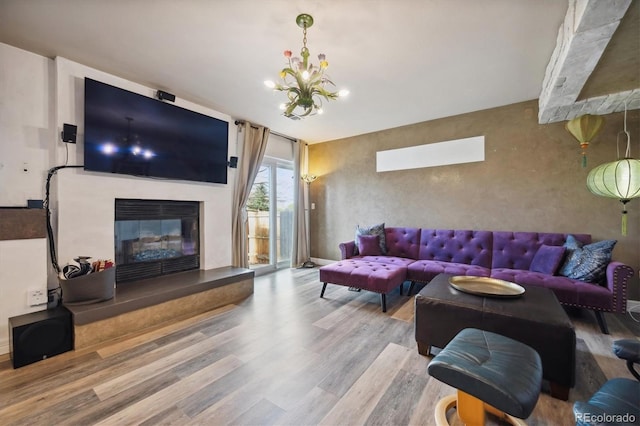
[146, 303]
[139, 305]
[143, 303]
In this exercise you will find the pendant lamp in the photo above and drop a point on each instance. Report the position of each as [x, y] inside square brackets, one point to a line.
[618, 179]
[584, 129]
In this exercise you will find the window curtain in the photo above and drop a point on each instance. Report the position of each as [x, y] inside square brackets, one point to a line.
[250, 154]
[300, 248]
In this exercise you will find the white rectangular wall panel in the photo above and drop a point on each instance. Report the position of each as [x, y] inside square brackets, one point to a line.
[468, 150]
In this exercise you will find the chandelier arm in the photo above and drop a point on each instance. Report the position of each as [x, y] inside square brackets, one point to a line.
[307, 112]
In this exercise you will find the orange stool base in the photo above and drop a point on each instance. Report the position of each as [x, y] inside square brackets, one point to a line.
[471, 411]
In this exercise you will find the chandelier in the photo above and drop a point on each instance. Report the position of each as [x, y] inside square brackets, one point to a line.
[618, 179]
[304, 83]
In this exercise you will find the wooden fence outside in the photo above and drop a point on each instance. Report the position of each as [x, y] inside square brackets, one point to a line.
[258, 236]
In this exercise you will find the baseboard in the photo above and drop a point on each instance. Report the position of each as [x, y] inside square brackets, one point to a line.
[322, 262]
[4, 346]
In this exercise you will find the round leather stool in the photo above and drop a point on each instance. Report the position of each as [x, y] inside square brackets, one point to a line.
[492, 373]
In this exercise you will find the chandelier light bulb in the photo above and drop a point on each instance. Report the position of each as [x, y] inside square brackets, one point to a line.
[270, 84]
[283, 106]
[343, 93]
[305, 75]
[320, 110]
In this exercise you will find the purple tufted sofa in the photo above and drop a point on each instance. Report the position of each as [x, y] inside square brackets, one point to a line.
[425, 253]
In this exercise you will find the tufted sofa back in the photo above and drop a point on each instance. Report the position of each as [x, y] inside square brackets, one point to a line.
[459, 246]
[402, 242]
[489, 249]
[515, 250]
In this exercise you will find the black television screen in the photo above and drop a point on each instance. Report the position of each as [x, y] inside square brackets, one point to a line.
[128, 133]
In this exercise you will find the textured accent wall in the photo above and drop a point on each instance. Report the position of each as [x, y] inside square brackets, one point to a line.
[531, 180]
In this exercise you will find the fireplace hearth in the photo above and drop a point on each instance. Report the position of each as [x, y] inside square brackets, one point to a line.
[155, 237]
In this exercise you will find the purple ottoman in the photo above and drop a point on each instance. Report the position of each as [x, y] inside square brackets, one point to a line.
[372, 276]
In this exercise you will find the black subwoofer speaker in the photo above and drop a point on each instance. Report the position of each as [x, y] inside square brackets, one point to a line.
[40, 335]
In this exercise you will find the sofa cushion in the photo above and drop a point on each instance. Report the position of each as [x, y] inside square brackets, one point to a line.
[387, 260]
[563, 287]
[425, 270]
[372, 230]
[547, 259]
[369, 245]
[587, 262]
[567, 290]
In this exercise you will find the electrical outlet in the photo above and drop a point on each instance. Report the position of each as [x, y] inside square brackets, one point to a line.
[36, 297]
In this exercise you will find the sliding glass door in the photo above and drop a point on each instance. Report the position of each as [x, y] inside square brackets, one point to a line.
[270, 215]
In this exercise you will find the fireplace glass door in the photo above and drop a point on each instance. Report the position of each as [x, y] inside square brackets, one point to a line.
[154, 237]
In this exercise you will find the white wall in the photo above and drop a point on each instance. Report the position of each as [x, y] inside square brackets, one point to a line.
[26, 138]
[38, 96]
[26, 124]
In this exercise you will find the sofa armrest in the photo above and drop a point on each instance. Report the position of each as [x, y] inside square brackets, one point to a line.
[347, 249]
[618, 276]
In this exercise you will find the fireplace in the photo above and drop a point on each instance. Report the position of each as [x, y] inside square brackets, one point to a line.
[155, 237]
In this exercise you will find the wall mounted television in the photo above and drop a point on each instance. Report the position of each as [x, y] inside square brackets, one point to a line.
[128, 133]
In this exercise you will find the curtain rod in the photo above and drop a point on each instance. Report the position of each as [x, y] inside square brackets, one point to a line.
[242, 122]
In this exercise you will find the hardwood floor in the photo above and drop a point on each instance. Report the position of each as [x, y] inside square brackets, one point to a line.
[284, 356]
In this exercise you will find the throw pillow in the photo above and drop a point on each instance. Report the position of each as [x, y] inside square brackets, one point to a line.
[587, 263]
[572, 247]
[369, 245]
[372, 230]
[547, 259]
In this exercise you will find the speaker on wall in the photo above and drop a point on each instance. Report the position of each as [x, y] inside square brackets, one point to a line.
[166, 96]
[40, 335]
[69, 132]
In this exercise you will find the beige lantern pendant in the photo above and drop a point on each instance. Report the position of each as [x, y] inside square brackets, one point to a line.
[584, 129]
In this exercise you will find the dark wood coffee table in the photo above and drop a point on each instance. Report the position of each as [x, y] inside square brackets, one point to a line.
[536, 318]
